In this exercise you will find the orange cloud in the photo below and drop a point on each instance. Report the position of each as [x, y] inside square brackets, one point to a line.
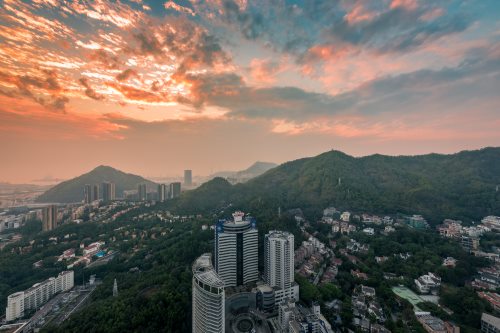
[406, 4]
[33, 121]
[265, 70]
[172, 5]
[89, 91]
[359, 13]
[134, 94]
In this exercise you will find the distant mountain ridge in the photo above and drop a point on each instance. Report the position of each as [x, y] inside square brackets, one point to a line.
[255, 170]
[72, 190]
[461, 185]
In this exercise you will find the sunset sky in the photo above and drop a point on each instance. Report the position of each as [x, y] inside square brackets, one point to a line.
[154, 87]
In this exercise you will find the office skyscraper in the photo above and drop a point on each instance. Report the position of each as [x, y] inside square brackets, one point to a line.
[279, 259]
[87, 193]
[236, 250]
[162, 192]
[95, 193]
[141, 192]
[108, 191]
[188, 177]
[49, 218]
[174, 190]
[208, 297]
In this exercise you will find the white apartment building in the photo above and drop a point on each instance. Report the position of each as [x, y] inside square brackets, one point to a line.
[279, 259]
[428, 283]
[279, 265]
[37, 295]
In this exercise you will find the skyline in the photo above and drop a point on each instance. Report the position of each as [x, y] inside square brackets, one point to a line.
[156, 87]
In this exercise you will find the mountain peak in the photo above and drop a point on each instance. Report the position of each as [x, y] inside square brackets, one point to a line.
[72, 190]
[103, 167]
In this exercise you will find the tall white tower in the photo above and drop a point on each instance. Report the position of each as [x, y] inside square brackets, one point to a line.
[279, 265]
[279, 259]
[237, 250]
[208, 297]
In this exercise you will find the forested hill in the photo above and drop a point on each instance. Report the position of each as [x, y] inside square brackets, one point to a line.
[461, 185]
[72, 190]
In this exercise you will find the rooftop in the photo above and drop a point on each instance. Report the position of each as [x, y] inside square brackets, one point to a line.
[204, 271]
[492, 320]
[279, 234]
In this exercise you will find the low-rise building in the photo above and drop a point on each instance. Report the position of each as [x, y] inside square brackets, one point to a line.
[492, 298]
[450, 228]
[92, 248]
[492, 222]
[428, 283]
[490, 324]
[345, 216]
[358, 274]
[449, 262]
[369, 231]
[388, 229]
[417, 222]
[490, 275]
[305, 320]
[367, 291]
[435, 325]
[382, 259]
[432, 324]
[469, 243]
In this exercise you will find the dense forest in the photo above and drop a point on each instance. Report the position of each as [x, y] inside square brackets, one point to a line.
[461, 186]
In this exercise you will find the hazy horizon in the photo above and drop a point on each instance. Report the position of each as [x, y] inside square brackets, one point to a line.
[49, 179]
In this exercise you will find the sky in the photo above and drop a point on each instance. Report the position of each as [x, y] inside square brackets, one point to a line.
[154, 87]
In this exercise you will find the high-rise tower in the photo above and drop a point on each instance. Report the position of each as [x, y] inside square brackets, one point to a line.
[49, 218]
[162, 192]
[95, 194]
[142, 192]
[279, 265]
[88, 195]
[236, 250]
[174, 190]
[108, 191]
[208, 297]
[279, 259]
[188, 177]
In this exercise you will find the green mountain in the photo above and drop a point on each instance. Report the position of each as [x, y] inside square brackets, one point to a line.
[72, 190]
[462, 185]
[256, 169]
